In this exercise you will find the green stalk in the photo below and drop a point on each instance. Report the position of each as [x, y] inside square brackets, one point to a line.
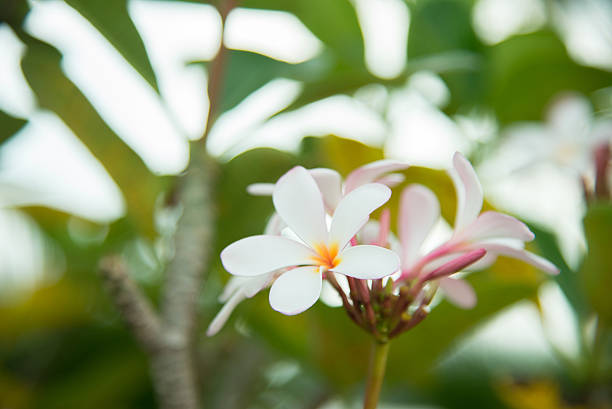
[376, 374]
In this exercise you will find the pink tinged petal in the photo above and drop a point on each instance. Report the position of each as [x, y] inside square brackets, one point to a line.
[459, 292]
[223, 315]
[260, 189]
[469, 191]
[330, 185]
[257, 255]
[383, 232]
[370, 172]
[369, 232]
[521, 254]
[419, 211]
[391, 180]
[367, 262]
[354, 210]
[455, 265]
[296, 290]
[298, 202]
[495, 225]
[487, 261]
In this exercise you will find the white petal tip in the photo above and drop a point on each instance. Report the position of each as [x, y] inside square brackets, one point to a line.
[260, 189]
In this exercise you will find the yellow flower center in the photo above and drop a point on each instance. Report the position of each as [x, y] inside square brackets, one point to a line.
[327, 256]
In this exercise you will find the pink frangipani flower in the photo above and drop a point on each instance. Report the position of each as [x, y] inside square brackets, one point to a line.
[298, 201]
[496, 232]
[475, 236]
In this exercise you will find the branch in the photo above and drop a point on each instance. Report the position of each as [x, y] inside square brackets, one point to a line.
[216, 72]
[134, 307]
[193, 244]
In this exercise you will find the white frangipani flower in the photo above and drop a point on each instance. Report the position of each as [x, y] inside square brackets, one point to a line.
[330, 181]
[299, 203]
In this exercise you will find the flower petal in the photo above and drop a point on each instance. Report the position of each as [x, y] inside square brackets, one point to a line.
[330, 185]
[255, 284]
[329, 295]
[459, 292]
[391, 180]
[275, 225]
[456, 264]
[521, 254]
[495, 225]
[257, 255]
[419, 211]
[469, 191]
[370, 172]
[260, 189]
[367, 262]
[354, 210]
[296, 290]
[298, 202]
[222, 316]
[233, 286]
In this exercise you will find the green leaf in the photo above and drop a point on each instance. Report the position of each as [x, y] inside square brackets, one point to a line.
[246, 72]
[241, 214]
[111, 18]
[58, 305]
[567, 279]
[526, 71]
[596, 272]
[322, 77]
[443, 29]
[333, 22]
[57, 93]
[438, 26]
[9, 125]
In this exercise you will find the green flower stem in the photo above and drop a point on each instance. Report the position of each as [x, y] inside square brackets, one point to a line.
[376, 374]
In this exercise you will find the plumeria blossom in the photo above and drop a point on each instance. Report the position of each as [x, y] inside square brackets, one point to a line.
[475, 235]
[330, 182]
[298, 201]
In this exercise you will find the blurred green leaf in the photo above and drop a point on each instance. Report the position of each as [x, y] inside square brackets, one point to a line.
[438, 26]
[241, 214]
[526, 71]
[323, 76]
[596, 272]
[61, 304]
[568, 280]
[112, 19]
[343, 155]
[9, 125]
[55, 92]
[333, 22]
[246, 72]
[102, 381]
[443, 29]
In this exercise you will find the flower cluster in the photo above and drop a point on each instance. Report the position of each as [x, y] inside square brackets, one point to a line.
[321, 232]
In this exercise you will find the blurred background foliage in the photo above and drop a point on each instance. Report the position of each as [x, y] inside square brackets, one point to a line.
[62, 344]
